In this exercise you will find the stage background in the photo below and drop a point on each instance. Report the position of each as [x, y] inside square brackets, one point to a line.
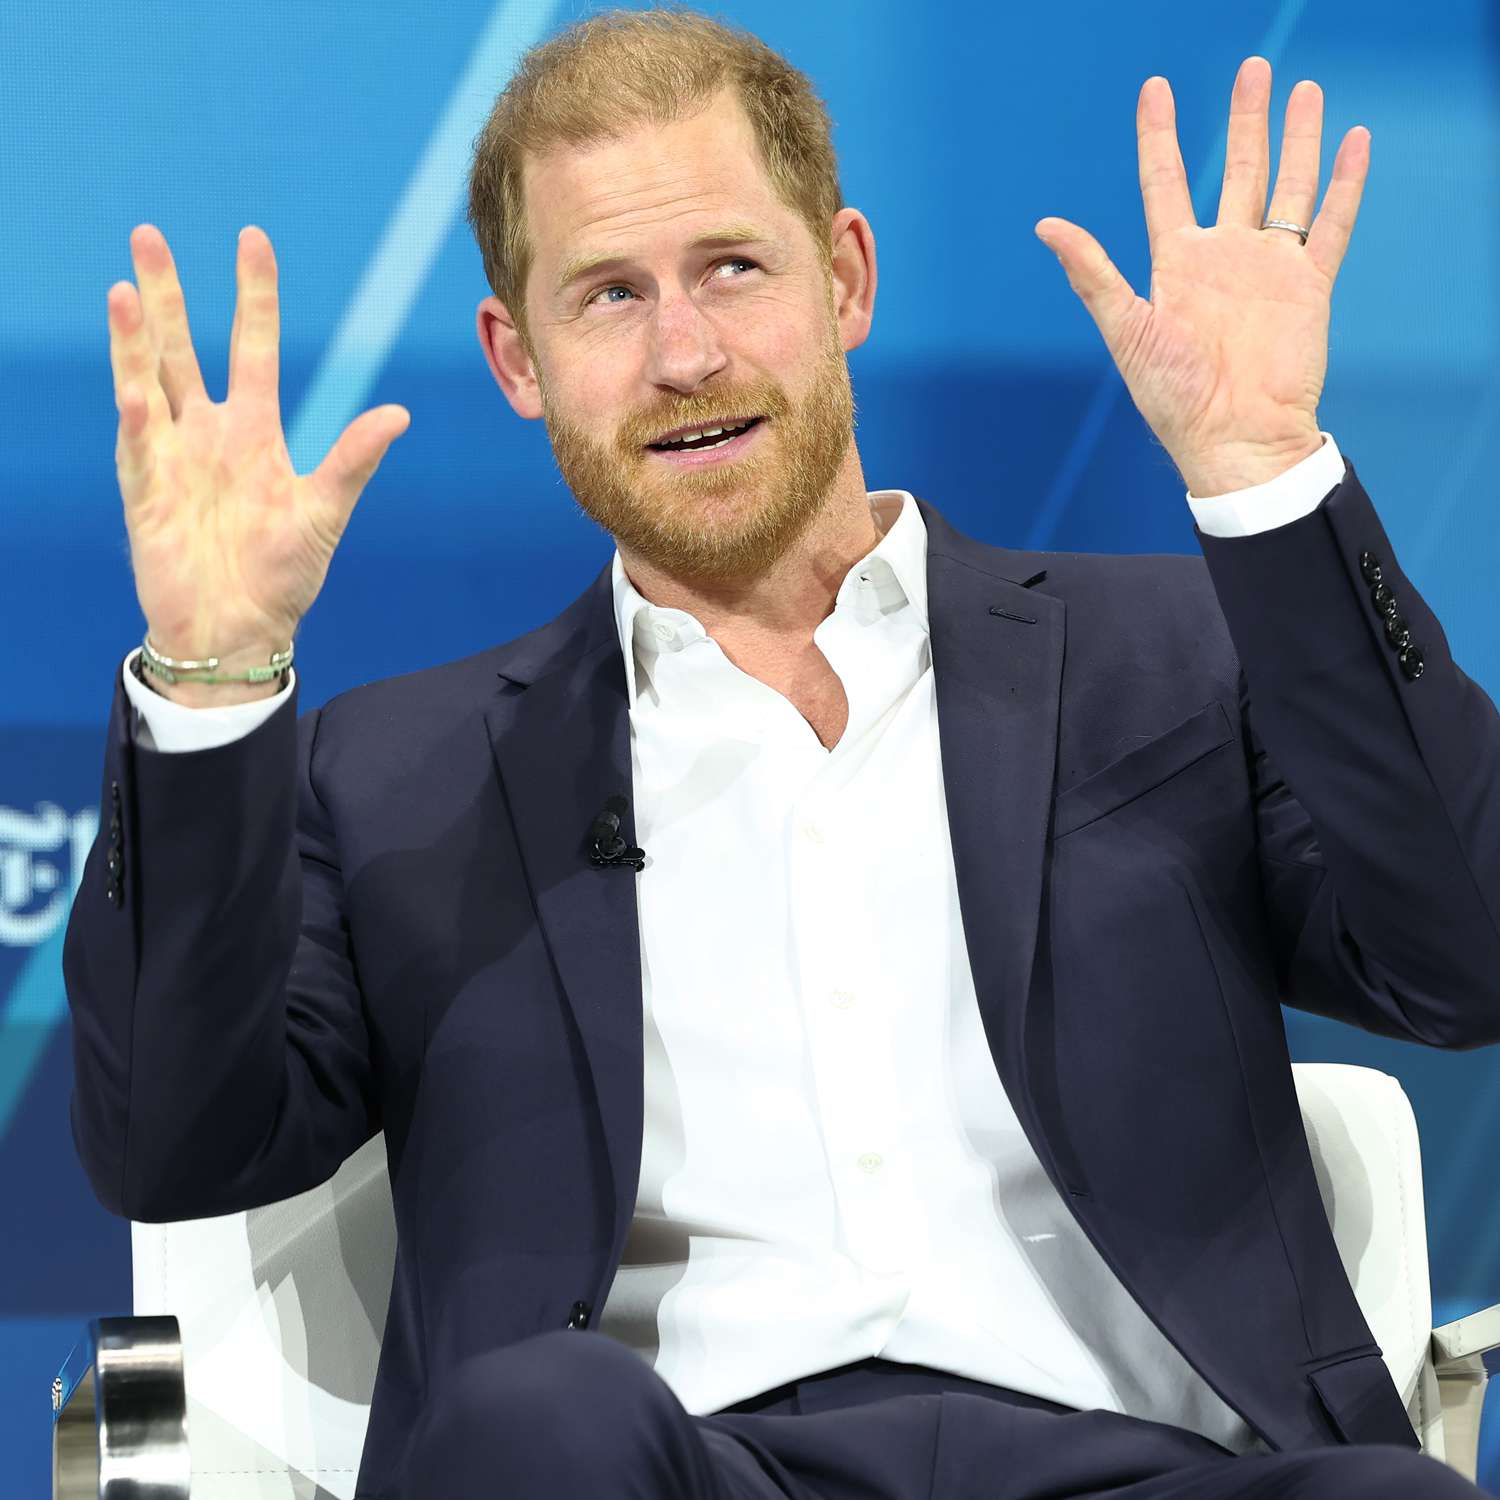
[344, 131]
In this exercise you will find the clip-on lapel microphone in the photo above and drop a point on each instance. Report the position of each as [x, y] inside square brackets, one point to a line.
[606, 848]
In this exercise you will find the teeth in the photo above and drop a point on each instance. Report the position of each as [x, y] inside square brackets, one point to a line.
[703, 432]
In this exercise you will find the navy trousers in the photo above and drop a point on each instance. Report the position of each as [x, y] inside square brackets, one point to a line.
[575, 1413]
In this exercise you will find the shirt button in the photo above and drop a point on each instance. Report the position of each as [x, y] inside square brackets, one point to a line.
[841, 999]
[662, 631]
[871, 1161]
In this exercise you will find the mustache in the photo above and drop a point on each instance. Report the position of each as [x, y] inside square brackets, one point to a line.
[646, 426]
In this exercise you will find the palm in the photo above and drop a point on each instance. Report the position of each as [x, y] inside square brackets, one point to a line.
[1231, 349]
[1236, 331]
[230, 546]
[220, 522]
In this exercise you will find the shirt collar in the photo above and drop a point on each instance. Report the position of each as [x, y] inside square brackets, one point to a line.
[895, 567]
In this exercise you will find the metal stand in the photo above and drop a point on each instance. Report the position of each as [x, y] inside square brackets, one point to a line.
[119, 1414]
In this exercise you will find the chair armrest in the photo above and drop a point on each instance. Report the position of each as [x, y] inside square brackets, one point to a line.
[1457, 1342]
[119, 1413]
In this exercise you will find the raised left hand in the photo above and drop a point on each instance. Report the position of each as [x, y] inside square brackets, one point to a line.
[1226, 361]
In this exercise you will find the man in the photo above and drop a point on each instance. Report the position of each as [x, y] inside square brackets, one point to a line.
[835, 960]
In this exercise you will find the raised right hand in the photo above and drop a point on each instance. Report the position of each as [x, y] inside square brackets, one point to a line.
[229, 545]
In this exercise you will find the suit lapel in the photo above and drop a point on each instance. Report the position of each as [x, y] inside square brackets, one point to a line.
[561, 741]
[562, 747]
[997, 653]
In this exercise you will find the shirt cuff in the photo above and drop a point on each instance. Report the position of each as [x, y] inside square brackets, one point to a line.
[160, 724]
[1277, 502]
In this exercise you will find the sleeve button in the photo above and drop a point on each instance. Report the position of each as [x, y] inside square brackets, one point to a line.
[1396, 632]
[579, 1316]
[1369, 567]
[1411, 662]
[1383, 598]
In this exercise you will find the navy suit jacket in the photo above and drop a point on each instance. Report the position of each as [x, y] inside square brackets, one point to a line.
[1177, 794]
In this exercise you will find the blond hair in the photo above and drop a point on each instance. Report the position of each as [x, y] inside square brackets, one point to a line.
[616, 71]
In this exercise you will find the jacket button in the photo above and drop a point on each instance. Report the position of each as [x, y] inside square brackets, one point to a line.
[116, 898]
[1369, 567]
[114, 864]
[1396, 632]
[579, 1317]
[1411, 662]
[1383, 598]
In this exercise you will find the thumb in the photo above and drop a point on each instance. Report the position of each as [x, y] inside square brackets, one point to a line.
[348, 465]
[1091, 273]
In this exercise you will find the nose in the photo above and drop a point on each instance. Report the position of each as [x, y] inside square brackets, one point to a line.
[684, 345]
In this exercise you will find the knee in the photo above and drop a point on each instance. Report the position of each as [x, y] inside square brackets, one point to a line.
[574, 1375]
[548, 1383]
[562, 1403]
[1385, 1472]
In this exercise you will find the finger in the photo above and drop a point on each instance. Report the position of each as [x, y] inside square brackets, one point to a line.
[348, 465]
[134, 457]
[1295, 196]
[132, 358]
[1247, 151]
[1329, 237]
[1164, 187]
[1091, 273]
[255, 338]
[166, 315]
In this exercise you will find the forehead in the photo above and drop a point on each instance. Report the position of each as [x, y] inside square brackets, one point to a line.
[657, 181]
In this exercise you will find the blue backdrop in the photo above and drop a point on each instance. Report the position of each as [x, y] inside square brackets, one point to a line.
[344, 131]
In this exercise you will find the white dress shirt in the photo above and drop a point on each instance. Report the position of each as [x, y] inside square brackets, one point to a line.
[831, 1168]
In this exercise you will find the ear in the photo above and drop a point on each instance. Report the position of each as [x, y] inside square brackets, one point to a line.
[853, 243]
[508, 358]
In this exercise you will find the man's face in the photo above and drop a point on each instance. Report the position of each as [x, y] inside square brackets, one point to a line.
[671, 290]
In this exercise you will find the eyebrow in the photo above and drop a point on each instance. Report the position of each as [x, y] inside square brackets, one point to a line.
[576, 267]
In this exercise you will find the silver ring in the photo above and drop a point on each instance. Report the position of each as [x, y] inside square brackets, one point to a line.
[1299, 230]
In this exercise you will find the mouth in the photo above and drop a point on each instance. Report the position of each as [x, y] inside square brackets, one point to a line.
[713, 442]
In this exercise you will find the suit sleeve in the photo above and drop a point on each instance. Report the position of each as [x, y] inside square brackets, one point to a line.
[221, 1057]
[160, 724]
[1377, 779]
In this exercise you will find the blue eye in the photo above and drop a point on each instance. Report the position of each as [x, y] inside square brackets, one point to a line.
[615, 286]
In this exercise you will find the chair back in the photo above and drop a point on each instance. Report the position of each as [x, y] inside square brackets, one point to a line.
[282, 1310]
[1363, 1137]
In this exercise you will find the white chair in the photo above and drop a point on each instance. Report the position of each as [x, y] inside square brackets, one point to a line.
[281, 1312]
